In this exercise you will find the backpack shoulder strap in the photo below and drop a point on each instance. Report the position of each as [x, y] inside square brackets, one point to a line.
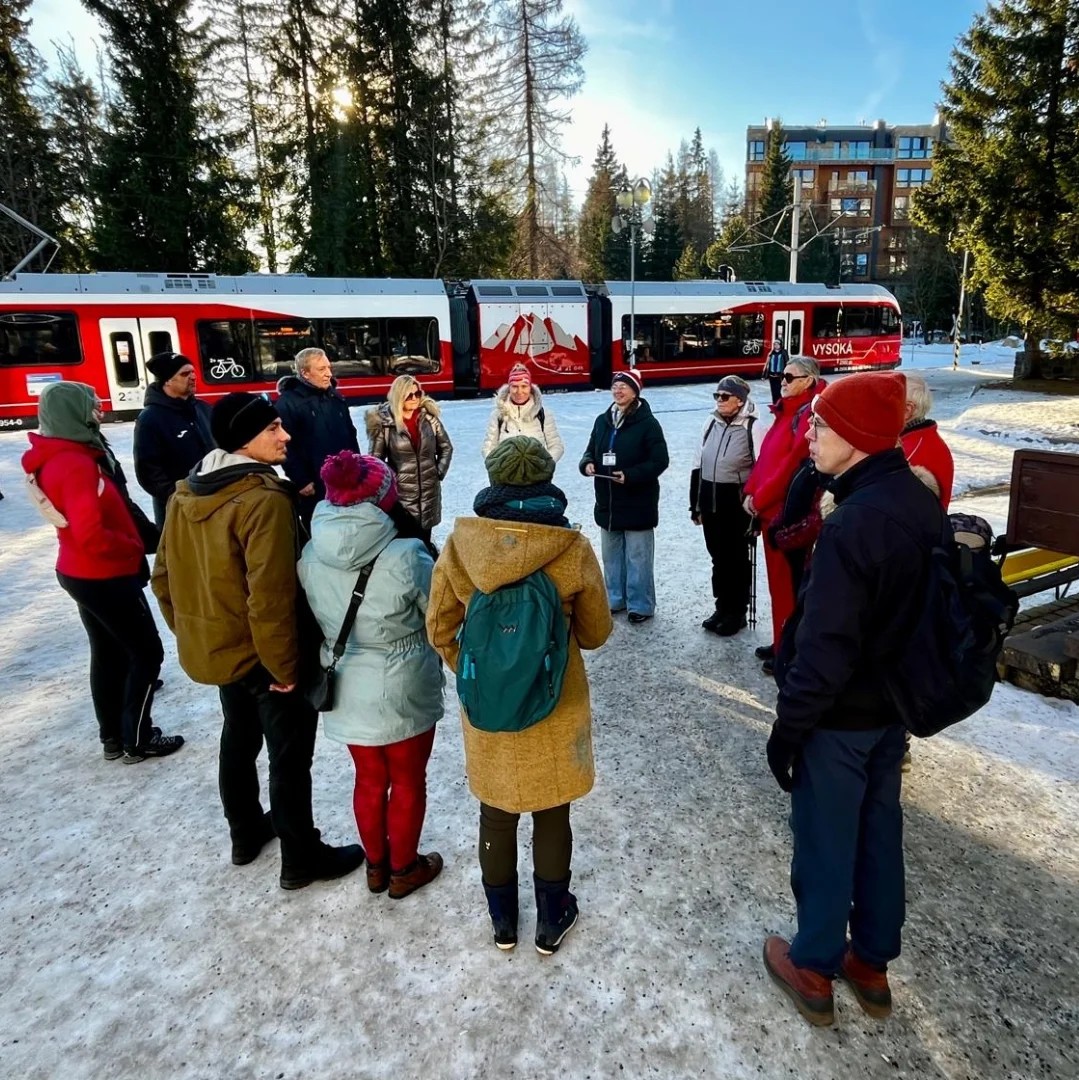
[750, 421]
[708, 430]
[541, 416]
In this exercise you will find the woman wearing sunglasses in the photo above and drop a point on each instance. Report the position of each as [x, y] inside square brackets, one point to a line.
[407, 433]
[782, 452]
[722, 461]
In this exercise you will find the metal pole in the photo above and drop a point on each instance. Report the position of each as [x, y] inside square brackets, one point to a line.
[796, 220]
[632, 361]
[45, 240]
[959, 314]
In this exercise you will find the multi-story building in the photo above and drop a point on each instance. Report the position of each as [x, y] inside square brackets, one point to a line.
[864, 176]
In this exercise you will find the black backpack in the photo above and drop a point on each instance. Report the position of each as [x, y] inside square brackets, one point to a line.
[948, 666]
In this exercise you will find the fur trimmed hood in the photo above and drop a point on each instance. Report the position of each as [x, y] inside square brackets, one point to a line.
[380, 415]
[529, 411]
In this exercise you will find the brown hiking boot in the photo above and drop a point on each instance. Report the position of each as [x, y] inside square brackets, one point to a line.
[423, 871]
[378, 876]
[810, 992]
[870, 986]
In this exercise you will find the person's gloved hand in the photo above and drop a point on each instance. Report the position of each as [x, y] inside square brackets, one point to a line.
[782, 754]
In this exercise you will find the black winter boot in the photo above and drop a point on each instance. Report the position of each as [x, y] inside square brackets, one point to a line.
[556, 913]
[502, 904]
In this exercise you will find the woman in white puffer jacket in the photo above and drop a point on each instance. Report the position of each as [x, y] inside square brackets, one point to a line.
[519, 410]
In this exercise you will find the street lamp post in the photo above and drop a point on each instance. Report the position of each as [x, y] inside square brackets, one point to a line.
[631, 200]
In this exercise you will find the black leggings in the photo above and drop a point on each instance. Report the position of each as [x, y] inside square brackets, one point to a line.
[125, 654]
[552, 844]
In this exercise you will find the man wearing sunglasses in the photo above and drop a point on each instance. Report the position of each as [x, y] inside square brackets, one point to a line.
[722, 461]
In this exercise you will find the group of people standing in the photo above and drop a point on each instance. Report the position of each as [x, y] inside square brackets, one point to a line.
[251, 569]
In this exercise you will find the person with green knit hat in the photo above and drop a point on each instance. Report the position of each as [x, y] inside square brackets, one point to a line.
[520, 528]
[81, 489]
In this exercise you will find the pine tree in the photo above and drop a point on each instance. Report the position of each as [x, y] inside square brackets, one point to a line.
[168, 195]
[596, 236]
[537, 65]
[667, 243]
[75, 135]
[777, 193]
[1006, 182]
[27, 167]
[688, 267]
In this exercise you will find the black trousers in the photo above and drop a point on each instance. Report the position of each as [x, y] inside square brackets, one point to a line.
[725, 536]
[775, 384]
[253, 713]
[125, 654]
[552, 844]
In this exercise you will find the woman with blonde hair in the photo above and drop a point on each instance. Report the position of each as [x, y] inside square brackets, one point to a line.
[407, 433]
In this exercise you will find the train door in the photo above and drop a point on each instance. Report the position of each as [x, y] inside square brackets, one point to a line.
[127, 344]
[789, 327]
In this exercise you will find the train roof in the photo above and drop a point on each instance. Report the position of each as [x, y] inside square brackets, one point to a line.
[493, 290]
[777, 289]
[143, 284]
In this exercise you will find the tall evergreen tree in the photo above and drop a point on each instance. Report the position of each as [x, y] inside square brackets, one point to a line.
[777, 193]
[1006, 183]
[597, 239]
[170, 197]
[667, 243]
[27, 181]
[538, 66]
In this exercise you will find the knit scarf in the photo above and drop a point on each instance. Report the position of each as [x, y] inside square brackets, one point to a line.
[539, 504]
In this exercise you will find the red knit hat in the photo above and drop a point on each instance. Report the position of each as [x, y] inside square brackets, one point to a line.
[519, 373]
[631, 377]
[867, 410]
[352, 478]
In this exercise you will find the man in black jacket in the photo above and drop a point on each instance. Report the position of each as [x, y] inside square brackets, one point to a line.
[627, 454]
[837, 742]
[172, 433]
[317, 418]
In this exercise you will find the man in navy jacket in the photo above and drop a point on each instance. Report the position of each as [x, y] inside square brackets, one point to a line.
[837, 742]
[316, 416]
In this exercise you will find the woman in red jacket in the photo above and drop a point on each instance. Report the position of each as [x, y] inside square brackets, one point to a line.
[101, 565]
[782, 451]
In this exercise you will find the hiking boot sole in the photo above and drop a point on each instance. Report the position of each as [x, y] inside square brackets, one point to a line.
[879, 1010]
[112, 753]
[506, 946]
[549, 948]
[818, 1017]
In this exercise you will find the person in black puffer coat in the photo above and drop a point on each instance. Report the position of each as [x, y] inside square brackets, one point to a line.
[316, 417]
[627, 453]
[172, 433]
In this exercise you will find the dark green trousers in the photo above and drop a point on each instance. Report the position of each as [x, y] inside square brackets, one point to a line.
[552, 844]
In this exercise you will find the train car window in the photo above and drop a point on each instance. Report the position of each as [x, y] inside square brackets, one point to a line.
[122, 355]
[39, 338]
[225, 350]
[704, 336]
[413, 346]
[277, 341]
[160, 341]
[861, 320]
[826, 322]
[889, 320]
[354, 346]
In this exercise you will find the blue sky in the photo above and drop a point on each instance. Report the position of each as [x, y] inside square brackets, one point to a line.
[657, 69]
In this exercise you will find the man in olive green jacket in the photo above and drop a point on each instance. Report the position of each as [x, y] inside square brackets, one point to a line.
[225, 578]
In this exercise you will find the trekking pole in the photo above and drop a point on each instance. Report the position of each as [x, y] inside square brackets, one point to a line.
[752, 618]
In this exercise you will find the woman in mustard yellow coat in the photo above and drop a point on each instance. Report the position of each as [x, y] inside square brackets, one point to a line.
[521, 527]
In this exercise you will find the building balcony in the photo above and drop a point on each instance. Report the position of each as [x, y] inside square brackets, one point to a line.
[842, 153]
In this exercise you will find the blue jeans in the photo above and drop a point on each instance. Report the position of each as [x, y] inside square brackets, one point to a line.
[627, 569]
[848, 848]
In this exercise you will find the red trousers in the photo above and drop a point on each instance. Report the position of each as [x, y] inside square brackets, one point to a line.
[780, 587]
[390, 798]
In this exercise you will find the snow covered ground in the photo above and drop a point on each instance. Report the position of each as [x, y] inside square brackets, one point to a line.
[133, 948]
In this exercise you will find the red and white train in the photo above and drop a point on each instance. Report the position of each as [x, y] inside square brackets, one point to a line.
[242, 333]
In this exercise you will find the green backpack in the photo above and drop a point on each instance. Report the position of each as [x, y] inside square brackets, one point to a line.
[514, 648]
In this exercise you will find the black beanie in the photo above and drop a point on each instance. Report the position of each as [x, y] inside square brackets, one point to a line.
[164, 365]
[237, 418]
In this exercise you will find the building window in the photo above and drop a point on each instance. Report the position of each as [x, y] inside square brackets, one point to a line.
[756, 150]
[861, 264]
[753, 181]
[914, 146]
[912, 177]
[858, 176]
[897, 263]
[39, 337]
[807, 176]
[853, 207]
[796, 151]
[901, 208]
[855, 151]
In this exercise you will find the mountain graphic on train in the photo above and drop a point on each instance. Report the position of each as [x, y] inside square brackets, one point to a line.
[460, 338]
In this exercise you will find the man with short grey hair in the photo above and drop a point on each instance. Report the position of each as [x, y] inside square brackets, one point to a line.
[317, 418]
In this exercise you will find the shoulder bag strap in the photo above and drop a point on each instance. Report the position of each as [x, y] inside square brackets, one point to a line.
[350, 615]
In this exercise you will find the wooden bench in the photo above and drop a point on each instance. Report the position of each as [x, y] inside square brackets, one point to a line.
[1033, 570]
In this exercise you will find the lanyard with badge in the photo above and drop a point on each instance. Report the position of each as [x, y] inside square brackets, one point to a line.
[609, 457]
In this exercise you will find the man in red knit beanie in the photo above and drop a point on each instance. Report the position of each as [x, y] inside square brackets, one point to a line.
[837, 742]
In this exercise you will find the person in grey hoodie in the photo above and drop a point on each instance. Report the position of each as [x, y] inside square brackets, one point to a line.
[388, 693]
[721, 463]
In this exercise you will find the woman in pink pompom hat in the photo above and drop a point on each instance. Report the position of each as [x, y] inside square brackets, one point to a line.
[388, 689]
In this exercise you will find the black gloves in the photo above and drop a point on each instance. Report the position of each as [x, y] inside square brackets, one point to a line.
[782, 754]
